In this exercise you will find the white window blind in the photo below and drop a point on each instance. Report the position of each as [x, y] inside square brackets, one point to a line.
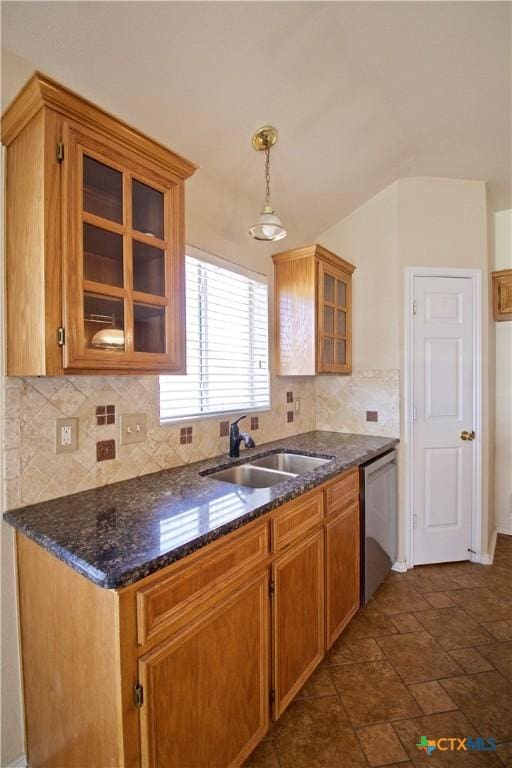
[227, 343]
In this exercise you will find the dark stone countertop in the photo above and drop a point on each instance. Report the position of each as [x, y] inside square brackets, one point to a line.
[119, 533]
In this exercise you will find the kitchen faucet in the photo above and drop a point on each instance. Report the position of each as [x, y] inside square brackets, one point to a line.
[236, 437]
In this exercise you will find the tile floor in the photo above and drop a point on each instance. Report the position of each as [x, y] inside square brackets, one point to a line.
[431, 654]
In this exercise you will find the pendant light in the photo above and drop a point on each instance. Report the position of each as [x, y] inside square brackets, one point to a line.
[269, 226]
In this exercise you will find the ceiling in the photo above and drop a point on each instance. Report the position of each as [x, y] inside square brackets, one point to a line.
[362, 93]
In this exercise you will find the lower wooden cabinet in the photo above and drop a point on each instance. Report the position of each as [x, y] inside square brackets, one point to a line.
[206, 689]
[342, 570]
[297, 617]
[175, 671]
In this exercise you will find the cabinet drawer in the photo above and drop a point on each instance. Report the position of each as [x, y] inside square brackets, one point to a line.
[183, 592]
[342, 492]
[294, 519]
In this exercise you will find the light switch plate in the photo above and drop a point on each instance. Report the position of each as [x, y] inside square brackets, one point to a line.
[66, 435]
[133, 428]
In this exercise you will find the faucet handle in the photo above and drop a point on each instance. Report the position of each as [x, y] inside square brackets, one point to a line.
[233, 423]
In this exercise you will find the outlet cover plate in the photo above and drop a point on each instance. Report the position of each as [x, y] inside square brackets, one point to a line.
[61, 425]
[133, 428]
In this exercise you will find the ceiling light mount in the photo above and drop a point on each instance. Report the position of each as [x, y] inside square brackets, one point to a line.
[269, 226]
[264, 138]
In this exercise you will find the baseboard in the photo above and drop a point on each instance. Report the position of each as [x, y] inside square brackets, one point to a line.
[505, 529]
[400, 566]
[20, 762]
[487, 558]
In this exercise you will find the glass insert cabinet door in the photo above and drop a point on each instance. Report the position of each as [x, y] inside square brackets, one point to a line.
[123, 261]
[334, 307]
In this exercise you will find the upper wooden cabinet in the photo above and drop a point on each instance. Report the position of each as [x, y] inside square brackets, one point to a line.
[95, 240]
[313, 312]
[502, 294]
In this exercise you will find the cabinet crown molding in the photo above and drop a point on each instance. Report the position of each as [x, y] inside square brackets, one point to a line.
[316, 250]
[41, 91]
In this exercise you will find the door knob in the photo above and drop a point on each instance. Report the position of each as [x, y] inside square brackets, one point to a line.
[467, 435]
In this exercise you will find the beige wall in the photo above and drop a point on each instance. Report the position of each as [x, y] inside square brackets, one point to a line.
[503, 456]
[443, 223]
[413, 222]
[369, 239]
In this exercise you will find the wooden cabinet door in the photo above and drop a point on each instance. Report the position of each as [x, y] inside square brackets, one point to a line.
[298, 618]
[334, 354]
[123, 259]
[502, 294]
[342, 570]
[205, 690]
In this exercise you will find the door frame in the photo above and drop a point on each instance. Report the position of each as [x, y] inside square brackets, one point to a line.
[475, 275]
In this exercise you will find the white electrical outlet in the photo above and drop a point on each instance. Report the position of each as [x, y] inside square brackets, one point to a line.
[66, 435]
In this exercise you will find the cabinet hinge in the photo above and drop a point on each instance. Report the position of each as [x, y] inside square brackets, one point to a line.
[138, 695]
[272, 696]
[60, 152]
[271, 588]
[61, 336]
[415, 307]
[415, 521]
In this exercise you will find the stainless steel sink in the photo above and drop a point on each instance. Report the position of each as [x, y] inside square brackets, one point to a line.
[295, 463]
[269, 470]
[251, 476]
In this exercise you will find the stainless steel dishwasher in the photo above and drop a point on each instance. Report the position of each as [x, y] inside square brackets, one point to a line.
[379, 523]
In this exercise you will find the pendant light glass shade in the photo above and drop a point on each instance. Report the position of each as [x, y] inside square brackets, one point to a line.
[268, 227]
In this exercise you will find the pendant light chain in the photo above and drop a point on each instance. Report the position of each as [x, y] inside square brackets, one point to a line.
[268, 227]
[267, 174]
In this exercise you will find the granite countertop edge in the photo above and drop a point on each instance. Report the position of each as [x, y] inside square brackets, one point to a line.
[123, 576]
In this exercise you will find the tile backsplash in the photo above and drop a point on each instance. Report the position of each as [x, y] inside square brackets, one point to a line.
[342, 402]
[34, 472]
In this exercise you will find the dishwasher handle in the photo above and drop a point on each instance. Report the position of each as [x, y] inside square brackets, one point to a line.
[380, 464]
[374, 474]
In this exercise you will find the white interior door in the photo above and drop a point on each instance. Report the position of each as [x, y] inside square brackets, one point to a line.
[443, 399]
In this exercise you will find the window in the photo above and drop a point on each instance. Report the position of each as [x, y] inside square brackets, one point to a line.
[227, 342]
